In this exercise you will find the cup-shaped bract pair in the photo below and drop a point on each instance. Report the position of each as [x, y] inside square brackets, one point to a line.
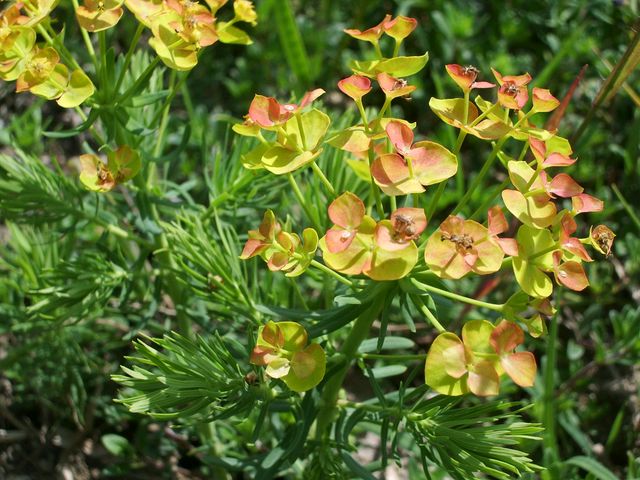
[37, 11]
[269, 113]
[466, 76]
[539, 252]
[299, 134]
[122, 165]
[356, 244]
[412, 166]
[462, 114]
[283, 251]
[283, 348]
[513, 92]
[39, 71]
[475, 363]
[398, 28]
[99, 15]
[531, 201]
[461, 246]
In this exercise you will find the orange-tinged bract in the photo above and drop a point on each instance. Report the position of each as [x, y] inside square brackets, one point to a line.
[461, 246]
[282, 348]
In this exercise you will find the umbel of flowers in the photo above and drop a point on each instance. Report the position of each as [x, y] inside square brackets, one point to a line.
[33, 55]
[372, 243]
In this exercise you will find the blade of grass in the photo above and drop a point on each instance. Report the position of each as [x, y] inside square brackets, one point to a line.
[626, 206]
[614, 80]
[291, 42]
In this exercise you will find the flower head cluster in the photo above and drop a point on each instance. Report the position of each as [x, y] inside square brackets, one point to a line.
[475, 363]
[181, 28]
[295, 134]
[282, 348]
[357, 244]
[37, 68]
[283, 251]
[365, 240]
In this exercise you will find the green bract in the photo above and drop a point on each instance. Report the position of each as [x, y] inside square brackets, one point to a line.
[123, 164]
[534, 258]
[282, 348]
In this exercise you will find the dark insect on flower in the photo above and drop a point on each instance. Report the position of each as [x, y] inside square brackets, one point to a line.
[465, 241]
[602, 237]
[510, 88]
[470, 70]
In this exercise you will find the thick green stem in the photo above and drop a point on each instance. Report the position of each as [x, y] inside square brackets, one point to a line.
[548, 421]
[349, 349]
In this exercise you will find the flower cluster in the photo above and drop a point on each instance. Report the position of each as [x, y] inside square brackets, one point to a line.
[367, 242]
[282, 348]
[37, 67]
[181, 28]
[283, 251]
[383, 250]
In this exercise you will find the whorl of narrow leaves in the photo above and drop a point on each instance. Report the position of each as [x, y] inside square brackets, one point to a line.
[188, 379]
[483, 438]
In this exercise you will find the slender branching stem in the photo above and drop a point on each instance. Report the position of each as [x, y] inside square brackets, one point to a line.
[454, 296]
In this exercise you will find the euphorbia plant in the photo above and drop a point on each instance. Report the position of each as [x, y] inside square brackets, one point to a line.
[368, 240]
[377, 236]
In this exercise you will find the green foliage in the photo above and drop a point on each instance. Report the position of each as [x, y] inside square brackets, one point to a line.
[82, 274]
[190, 381]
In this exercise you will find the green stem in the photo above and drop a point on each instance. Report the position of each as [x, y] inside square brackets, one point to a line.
[332, 273]
[476, 181]
[127, 58]
[374, 188]
[487, 166]
[102, 74]
[303, 202]
[349, 349]
[316, 169]
[385, 106]
[454, 296]
[303, 137]
[376, 46]
[418, 302]
[141, 79]
[87, 40]
[543, 252]
[393, 203]
[93, 131]
[490, 199]
[549, 440]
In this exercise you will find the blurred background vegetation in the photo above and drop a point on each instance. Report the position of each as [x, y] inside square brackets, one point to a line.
[54, 367]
